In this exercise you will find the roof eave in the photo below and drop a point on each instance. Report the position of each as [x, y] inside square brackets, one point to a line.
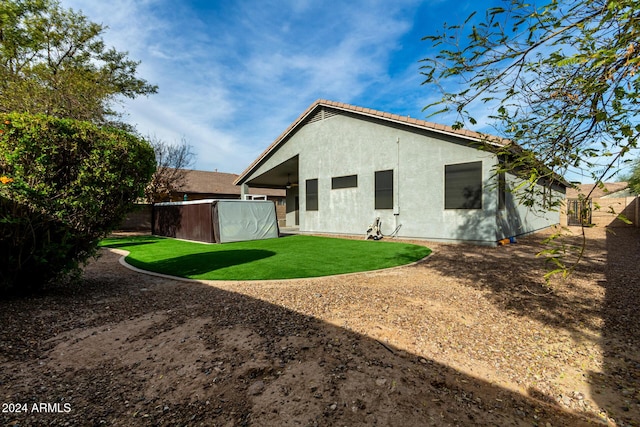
[475, 137]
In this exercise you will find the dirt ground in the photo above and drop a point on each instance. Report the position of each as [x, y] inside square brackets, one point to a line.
[470, 336]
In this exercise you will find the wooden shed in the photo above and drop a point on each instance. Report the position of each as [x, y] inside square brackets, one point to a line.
[216, 221]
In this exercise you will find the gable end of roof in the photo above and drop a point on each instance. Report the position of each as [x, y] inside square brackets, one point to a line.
[322, 109]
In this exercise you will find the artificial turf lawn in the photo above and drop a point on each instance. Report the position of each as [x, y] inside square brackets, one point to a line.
[282, 258]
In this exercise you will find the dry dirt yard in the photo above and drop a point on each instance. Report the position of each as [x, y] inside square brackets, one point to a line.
[469, 336]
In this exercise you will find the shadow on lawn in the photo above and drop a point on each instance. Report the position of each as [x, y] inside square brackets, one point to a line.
[202, 263]
[171, 353]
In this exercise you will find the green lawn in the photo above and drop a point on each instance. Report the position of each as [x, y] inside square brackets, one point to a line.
[283, 258]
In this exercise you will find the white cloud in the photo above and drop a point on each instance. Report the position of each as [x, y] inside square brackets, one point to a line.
[233, 75]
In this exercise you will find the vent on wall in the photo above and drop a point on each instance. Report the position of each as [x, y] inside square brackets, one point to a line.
[329, 112]
[323, 113]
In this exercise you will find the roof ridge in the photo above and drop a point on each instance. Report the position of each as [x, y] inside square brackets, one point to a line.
[435, 127]
[414, 121]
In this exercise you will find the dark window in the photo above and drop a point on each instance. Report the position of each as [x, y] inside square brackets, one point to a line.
[344, 182]
[312, 194]
[384, 190]
[502, 190]
[463, 186]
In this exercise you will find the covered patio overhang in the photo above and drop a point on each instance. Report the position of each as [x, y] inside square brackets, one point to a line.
[284, 176]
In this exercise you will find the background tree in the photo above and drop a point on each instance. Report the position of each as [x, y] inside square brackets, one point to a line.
[53, 61]
[171, 162]
[68, 170]
[634, 177]
[560, 81]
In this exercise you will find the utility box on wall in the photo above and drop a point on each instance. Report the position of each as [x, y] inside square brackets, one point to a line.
[216, 221]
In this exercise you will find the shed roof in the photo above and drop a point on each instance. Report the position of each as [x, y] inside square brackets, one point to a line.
[368, 112]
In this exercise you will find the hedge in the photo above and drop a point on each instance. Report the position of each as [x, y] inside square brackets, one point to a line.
[64, 185]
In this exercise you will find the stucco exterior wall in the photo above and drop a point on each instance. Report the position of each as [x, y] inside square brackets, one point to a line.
[342, 145]
[347, 144]
[516, 219]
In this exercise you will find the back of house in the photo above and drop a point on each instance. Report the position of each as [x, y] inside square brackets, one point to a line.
[344, 166]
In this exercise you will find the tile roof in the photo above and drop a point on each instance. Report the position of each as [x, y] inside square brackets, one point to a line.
[395, 118]
[206, 182]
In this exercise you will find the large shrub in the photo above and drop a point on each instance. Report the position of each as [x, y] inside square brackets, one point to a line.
[64, 184]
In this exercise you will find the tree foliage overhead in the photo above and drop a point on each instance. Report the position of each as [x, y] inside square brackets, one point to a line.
[561, 80]
[54, 61]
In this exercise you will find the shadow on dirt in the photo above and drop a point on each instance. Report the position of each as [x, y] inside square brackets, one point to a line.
[576, 305]
[618, 388]
[520, 289]
[130, 349]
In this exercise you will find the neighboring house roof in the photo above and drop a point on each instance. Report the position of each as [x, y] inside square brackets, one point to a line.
[310, 112]
[205, 182]
[608, 190]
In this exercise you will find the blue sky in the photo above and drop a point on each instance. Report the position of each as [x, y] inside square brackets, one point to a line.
[232, 75]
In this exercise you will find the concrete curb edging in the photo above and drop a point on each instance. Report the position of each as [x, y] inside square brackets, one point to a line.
[124, 263]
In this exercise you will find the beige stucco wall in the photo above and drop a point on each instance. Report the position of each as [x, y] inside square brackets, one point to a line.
[606, 210]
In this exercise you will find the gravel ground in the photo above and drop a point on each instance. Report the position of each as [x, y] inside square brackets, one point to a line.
[470, 336]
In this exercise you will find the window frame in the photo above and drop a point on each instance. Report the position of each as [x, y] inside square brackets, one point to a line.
[453, 199]
[345, 181]
[311, 197]
[502, 191]
[383, 194]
